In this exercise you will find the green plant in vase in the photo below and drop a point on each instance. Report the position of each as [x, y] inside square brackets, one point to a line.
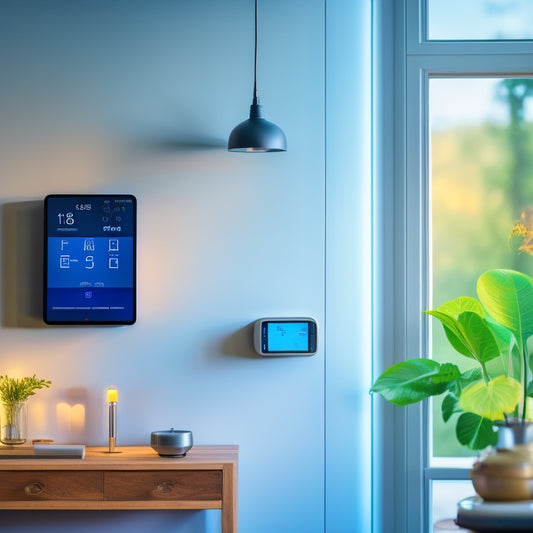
[491, 332]
[13, 394]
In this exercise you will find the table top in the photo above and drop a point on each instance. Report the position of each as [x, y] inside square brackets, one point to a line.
[477, 514]
[132, 458]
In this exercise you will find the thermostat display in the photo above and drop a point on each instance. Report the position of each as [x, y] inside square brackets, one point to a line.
[285, 336]
[90, 259]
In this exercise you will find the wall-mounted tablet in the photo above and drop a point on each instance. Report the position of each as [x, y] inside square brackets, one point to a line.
[285, 336]
[90, 259]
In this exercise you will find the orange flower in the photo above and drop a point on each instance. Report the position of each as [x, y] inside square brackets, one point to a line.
[524, 228]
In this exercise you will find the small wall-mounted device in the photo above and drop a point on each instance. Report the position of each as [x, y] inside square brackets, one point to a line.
[285, 336]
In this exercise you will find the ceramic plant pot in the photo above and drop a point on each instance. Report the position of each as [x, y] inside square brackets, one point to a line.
[506, 475]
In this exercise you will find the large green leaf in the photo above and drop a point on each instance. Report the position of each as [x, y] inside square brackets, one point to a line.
[470, 334]
[491, 400]
[453, 332]
[459, 305]
[509, 362]
[480, 336]
[467, 378]
[504, 337]
[414, 380]
[475, 432]
[449, 406]
[507, 296]
[448, 313]
[470, 376]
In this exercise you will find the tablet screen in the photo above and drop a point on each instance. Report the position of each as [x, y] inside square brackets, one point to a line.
[90, 259]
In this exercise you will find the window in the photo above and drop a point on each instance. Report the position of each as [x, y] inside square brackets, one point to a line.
[480, 19]
[445, 495]
[481, 174]
[443, 204]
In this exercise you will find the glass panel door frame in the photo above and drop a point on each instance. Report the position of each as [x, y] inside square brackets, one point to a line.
[404, 62]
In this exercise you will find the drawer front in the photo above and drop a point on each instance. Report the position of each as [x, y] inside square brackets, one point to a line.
[50, 485]
[152, 485]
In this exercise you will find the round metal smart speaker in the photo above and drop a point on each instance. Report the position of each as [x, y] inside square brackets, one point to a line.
[172, 442]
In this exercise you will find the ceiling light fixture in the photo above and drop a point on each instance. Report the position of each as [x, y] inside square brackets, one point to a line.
[257, 134]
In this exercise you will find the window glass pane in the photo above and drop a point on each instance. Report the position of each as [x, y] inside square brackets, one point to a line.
[481, 133]
[480, 19]
[445, 496]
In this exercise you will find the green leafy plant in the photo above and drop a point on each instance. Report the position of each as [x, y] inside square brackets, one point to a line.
[16, 390]
[492, 333]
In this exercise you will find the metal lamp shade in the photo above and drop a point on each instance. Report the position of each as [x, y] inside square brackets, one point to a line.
[257, 134]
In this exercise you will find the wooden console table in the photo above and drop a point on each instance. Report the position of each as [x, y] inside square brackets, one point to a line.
[136, 478]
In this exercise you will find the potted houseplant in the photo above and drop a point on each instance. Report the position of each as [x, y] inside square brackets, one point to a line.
[492, 333]
[13, 394]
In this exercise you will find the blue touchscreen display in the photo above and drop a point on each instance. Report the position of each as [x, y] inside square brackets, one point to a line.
[90, 259]
[288, 336]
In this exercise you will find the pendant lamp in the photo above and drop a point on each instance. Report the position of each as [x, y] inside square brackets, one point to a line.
[257, 134]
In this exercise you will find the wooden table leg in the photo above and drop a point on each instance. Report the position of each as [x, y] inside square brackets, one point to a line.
[229, 499]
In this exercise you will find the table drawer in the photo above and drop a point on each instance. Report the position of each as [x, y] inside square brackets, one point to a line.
[146, 485]
[50, 485]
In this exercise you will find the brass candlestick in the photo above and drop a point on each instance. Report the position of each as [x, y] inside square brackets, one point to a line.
[112, 399]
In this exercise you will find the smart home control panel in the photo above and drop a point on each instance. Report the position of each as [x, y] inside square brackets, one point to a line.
[90, 259]
[285, 336]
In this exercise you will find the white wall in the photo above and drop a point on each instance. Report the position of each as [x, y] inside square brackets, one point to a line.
[136, 96]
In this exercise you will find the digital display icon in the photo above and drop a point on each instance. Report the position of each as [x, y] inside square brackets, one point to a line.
[64, 261]
[90, 259]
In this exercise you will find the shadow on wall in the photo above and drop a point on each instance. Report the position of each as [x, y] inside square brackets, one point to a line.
[172, 144]
[22, 264]
[239, 343]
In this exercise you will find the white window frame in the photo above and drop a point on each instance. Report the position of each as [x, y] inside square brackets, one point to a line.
[403, 64]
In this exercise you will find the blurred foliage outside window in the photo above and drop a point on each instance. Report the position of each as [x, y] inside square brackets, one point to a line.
[481, 133]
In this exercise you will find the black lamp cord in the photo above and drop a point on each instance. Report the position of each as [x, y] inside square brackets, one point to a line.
[256, 94]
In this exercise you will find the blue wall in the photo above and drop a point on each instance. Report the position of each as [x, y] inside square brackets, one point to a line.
[139, 96]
